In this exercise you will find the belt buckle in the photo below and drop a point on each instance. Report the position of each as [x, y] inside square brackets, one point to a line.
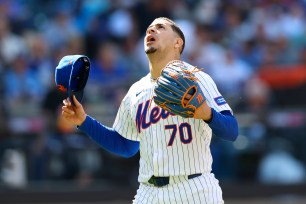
[159, 181]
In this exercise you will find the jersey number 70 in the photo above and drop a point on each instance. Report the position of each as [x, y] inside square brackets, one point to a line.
[185, 138]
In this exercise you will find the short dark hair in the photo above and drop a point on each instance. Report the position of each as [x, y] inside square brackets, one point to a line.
[176, 29]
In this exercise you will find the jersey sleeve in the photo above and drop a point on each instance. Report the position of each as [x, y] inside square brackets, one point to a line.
[124, 123]
[214, 98]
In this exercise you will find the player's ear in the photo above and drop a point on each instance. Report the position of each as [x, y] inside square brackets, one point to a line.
[178, 42]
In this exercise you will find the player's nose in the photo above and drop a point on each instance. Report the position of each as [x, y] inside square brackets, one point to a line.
[151, 30]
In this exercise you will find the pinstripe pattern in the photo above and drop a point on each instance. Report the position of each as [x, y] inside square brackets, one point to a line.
[140, 119]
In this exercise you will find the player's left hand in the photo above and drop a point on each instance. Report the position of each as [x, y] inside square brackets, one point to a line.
[177, 91]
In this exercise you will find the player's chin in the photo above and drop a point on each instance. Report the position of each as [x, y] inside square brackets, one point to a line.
[150, 50]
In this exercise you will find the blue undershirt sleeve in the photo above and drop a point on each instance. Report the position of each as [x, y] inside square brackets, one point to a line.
[224, 125]
[108, 138]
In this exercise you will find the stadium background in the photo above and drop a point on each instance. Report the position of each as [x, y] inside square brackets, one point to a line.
[254, 49]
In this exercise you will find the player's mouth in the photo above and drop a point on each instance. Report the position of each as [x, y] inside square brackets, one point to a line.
[150, 39]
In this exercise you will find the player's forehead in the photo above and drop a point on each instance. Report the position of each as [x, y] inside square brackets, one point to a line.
[160, 21]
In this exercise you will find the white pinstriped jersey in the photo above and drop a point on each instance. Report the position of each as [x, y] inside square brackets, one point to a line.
[170, 145]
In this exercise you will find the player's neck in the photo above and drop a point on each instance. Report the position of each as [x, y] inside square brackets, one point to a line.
[157, 63]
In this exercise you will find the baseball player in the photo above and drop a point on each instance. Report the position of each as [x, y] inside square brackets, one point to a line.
[175, 158]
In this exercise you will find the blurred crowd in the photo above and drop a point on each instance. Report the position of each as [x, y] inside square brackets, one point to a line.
[255, 50]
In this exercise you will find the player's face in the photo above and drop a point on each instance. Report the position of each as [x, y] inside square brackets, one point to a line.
[159, 37]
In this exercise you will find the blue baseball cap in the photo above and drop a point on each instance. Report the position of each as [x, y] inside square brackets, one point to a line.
[71, 75]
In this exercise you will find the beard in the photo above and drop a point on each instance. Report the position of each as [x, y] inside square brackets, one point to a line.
[150, 50]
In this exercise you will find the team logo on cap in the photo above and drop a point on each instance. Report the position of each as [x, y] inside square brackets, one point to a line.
[61, 87]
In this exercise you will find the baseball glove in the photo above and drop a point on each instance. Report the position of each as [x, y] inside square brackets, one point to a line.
[176, 82]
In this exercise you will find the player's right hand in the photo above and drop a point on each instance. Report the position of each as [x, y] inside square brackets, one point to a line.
[73, 113]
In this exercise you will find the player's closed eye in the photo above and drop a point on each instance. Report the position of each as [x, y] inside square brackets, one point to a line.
[160, 26]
